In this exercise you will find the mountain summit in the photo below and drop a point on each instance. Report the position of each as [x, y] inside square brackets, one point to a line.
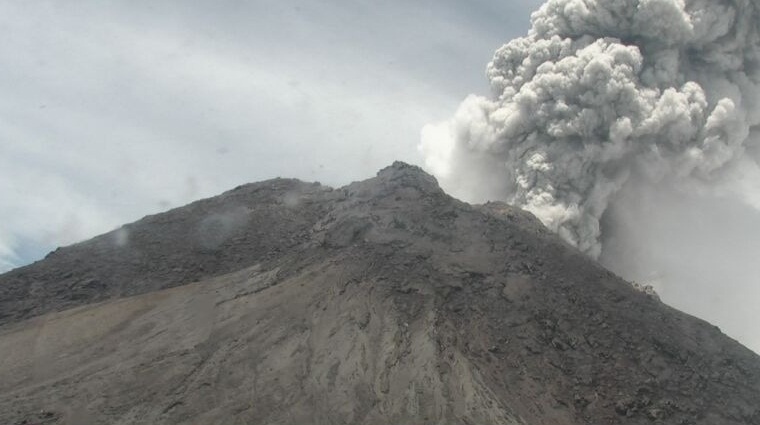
[382, 302]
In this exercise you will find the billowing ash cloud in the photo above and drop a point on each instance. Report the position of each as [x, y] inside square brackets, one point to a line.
[603, 95]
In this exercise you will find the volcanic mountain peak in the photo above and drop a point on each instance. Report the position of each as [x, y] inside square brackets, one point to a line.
[384, 301]
[400, 174]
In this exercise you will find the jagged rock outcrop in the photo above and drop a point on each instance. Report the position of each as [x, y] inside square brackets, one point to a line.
[385, 301]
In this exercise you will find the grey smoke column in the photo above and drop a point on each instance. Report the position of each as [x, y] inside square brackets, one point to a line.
[601, 94]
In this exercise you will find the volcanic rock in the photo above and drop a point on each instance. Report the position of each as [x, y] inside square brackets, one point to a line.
[382, 302]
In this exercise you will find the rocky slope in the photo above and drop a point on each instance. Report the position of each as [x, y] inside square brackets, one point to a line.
[385, 301]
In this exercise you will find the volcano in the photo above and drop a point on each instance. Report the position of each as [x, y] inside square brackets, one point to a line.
[382, 302]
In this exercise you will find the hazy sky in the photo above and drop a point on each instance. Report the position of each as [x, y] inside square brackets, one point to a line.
[112, 110]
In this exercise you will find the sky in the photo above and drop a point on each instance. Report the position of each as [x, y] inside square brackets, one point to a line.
[112, 110]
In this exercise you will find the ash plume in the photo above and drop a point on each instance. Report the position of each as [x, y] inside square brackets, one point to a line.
[603, 98]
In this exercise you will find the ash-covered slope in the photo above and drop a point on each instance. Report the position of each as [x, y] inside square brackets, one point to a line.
[237, 229]
[385, 301]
